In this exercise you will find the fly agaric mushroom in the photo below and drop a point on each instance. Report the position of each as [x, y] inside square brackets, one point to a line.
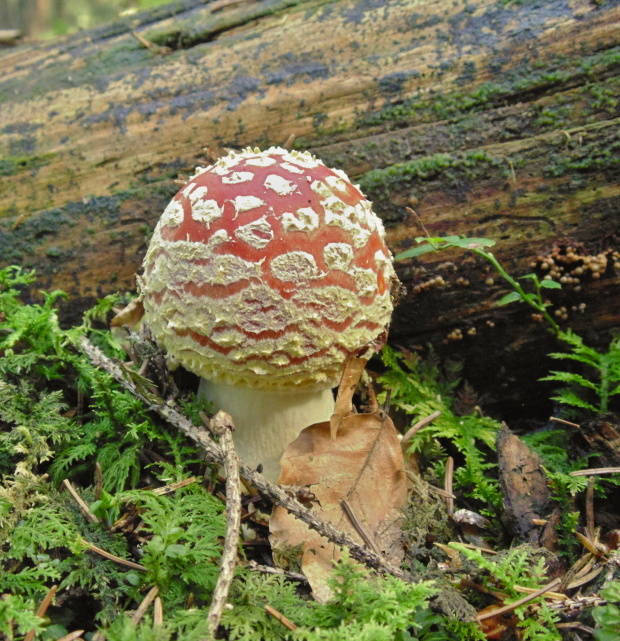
[265, 271]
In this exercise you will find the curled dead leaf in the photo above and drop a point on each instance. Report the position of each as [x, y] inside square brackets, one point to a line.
[362, 466]
[130, 315]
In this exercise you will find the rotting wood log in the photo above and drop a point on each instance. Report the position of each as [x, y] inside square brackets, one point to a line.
[488, 118]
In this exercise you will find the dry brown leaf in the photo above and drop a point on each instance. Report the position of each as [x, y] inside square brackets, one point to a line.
[363, 466]
[130, 315]
[351, 374]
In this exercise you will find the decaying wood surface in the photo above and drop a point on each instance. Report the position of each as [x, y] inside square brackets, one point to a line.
[490, 118]
[524, 486]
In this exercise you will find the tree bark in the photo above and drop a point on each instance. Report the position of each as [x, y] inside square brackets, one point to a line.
[488, 118]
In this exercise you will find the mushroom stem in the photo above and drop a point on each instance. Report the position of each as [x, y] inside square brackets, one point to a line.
[267, 421]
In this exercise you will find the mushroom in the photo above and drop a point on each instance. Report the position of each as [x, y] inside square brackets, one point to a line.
[265, 271]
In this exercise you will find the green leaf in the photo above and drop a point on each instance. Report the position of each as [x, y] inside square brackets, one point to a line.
[547, 283]
[569, 398]
[414, 252]
[510, 297]
[570, 377]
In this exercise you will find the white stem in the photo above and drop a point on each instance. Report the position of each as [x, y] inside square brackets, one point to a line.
[267, 421]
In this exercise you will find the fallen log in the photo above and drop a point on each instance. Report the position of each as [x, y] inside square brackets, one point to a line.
[496, 119]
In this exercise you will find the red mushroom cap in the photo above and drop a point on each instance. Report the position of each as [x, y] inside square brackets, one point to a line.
[267, 269]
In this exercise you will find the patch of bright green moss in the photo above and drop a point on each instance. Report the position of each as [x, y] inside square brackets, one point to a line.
[380, 180]
[12, 165]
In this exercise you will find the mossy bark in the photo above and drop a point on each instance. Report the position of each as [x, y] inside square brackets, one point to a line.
[490, 118]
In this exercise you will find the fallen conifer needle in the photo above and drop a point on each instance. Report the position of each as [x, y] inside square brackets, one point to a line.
[515, 604]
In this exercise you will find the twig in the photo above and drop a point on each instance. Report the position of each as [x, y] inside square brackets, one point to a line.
[596, 470]
[267, 569]
[151, 46]
[112, 557]
[359, 528]
[222, 424]
[515, 604]
[285, 621]
[158, 611]
[215, 454]
[447, 484]
[42, 609]
[144, 606]
[414, 213]
[288, 143]
[423, 422]
[98, 480]
[564, 422]
[590, 508]
[173, 487]
[81, 503]
[72, 636]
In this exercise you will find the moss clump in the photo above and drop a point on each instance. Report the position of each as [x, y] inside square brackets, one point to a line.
[531, 78]
[11, 165]
[379, 181]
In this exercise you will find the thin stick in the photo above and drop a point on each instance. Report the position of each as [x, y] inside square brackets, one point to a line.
[267, 569]
[112, 557]
[98, 480]
[214, 453]
[144, 606]
[151, 46]
[590, 508]
[42, 609]
[72, 636]
[276, 614]
[564, 422]
[359, 528]
[416, 427]
[158, 611]
[173, 487]
[81, 503]
[596, 470]
[515, 604]
[222, 424]
[447, 484]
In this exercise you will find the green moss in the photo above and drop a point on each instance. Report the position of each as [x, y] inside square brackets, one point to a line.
[12, 165]
[379, 181]
[579, 157]
[552, 116]
[530, 78]
[602, 96]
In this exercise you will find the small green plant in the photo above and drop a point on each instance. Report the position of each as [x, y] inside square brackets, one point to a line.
[607, 617]
[480, 247]
[417, 388]
[522, 567]
[591, 392]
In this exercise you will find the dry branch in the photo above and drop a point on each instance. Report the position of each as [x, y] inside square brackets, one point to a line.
[214, 453]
